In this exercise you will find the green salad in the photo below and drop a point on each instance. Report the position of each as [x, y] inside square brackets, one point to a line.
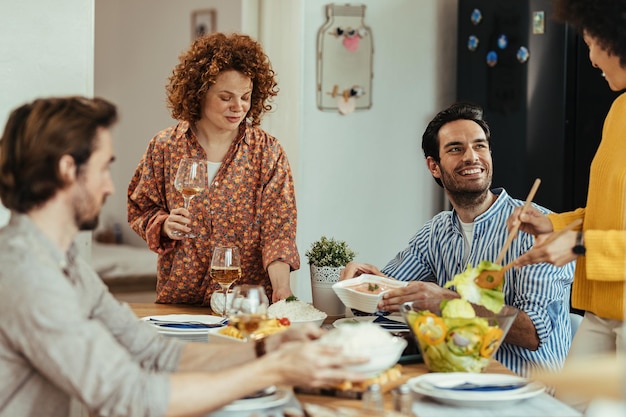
[458, 340]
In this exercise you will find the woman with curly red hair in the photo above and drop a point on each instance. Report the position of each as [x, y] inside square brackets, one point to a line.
[218, 92]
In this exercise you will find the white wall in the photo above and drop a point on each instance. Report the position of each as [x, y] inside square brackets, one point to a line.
[362, 177]
[359, 178]
[46, 50]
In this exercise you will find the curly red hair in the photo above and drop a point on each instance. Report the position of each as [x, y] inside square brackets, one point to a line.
[207, 57]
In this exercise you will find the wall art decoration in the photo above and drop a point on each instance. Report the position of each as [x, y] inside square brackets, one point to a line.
[203, 22]
[344, 60]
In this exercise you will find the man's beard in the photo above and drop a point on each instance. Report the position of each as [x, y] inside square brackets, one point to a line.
[89, 224]
[465, 197]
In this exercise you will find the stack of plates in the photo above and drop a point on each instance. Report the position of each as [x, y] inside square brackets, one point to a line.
[187, 327]
[475, 390]
[266, 403]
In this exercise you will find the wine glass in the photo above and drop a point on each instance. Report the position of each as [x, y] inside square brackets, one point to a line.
[248, 310]
[225, 269]
[191, 180]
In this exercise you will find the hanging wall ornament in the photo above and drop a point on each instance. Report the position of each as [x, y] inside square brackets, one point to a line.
[476, 16]
[522, 54]
[503, 41]
[344, 60]
[472, 43]
[492, 58]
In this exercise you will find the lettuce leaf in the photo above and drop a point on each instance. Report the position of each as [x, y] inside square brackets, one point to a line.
[492, 299]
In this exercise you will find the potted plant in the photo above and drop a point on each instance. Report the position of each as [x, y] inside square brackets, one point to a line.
[327, 257]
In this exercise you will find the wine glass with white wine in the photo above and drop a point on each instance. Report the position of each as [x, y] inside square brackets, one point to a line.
[248, 310]
[191, 180]
[225, 269]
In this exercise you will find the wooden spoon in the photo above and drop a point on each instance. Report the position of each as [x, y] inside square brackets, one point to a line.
[491, 279]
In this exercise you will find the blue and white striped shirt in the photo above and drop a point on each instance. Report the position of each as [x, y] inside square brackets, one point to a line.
[436, 254]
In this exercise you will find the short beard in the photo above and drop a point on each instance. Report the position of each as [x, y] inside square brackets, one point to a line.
[88, 225]
[468, 199]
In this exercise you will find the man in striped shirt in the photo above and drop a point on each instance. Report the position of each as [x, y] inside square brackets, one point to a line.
[456, 145]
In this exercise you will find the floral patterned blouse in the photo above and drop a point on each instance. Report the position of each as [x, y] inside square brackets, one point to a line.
[250, 203]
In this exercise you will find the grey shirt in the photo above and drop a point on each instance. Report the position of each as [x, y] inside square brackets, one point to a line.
[63, 335]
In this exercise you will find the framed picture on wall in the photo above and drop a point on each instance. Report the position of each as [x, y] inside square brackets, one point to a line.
[202, 22]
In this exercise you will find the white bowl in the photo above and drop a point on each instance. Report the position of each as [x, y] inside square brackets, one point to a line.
[381, 358]
[297, 312]
[316, 322]
[368, 340]
[361, 301]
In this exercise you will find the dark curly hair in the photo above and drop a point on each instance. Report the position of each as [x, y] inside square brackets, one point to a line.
[209, 56]
[604, 20]
[457, 111]
[37, 135]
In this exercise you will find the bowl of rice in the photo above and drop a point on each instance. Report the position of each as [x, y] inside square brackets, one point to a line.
[298, 312]
[367, 340]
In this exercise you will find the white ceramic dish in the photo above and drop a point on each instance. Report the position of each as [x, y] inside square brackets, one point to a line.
[317, 322]
[361, 301]
[182, 318]
[427, 385]
[381, 358]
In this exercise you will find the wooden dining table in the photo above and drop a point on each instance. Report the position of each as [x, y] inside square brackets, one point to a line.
[408, 370]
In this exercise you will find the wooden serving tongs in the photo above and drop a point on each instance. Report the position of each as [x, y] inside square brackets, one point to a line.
[491, 279]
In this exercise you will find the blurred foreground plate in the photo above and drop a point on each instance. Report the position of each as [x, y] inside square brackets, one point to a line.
[428, 385]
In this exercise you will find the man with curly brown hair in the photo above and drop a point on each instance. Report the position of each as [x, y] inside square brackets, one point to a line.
[219, 91]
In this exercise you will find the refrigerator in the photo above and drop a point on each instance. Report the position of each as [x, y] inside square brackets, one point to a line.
[544, 102]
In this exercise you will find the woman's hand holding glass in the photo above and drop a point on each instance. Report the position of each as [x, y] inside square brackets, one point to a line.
[191, 180]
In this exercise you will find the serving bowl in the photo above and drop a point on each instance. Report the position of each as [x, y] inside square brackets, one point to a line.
[364, 292]
[367, 340]
[297, 312]
[456, 344]
[315, 322]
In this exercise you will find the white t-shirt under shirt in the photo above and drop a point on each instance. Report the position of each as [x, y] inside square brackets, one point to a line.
[468, 232]
[212, 168]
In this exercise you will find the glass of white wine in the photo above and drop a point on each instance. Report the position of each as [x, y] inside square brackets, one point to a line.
[191, 180]
[248, 310]
[225, 269]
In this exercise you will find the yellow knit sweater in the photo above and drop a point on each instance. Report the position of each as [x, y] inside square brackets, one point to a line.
[599, 278]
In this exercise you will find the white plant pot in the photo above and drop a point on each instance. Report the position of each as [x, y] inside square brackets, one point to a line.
[324, 298]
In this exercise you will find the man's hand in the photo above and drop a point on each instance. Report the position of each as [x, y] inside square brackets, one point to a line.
[394, 298]
[354, 269]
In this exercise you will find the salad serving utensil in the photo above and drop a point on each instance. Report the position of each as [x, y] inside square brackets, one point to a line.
[491, 279]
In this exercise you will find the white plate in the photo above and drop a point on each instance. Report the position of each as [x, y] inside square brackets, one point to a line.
[280, 397]
[200, 318]
[424, 385]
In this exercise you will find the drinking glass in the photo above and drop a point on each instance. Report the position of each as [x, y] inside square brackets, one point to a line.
[191, 180]
[248, 309]
[225, 269]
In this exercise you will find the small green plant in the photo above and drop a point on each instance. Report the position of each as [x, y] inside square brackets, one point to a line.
[330, 252]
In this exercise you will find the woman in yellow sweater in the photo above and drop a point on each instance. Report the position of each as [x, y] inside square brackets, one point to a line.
[600, 247]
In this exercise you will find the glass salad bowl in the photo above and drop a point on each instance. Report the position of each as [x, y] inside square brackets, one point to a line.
[456, 336]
